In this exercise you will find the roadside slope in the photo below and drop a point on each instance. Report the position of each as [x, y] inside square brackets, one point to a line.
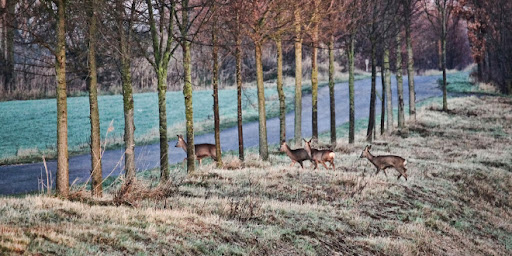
[457, 201]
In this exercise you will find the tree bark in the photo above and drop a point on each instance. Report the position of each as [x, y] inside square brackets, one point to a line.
[410, 71]
[298, 78]
[400, 83]
[314, 84]
[238, 55]
[261, 104]
[162, 122]
[62, 183]
[7, 44]
[92, 81]
[280, 91]
[371, 119]
[383, 98]
[331, 92]
[187, 89]
[352, 119]
[126, 79]
[389, 95]
[443, 57]
[215, 79]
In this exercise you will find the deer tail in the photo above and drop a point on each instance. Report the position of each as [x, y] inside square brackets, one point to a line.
[331, 155]
[405, 163]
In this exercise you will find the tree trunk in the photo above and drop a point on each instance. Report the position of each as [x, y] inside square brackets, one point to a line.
[261, 103]
[7, 44]
[3, 44]
[92, 81]
[280, 91]
[400, 83]
[238, 55]
[129, 125]
[443, 58]
[162, 122]
[331, 92]
[383, 98]
[389, 95]
[298, 78]
[187, 89]
[352, 118]
[62, 112]
[215, 79]
[410, 71]
[314, 85]
[371, 116]
[160, 65]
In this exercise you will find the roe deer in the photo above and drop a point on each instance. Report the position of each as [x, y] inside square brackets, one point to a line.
[296, 155]
[202, 150]
[319, 156]
[384, 162]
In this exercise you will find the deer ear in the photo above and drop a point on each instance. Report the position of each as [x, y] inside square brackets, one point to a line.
[304, 140]
[310, 140]
[369, 147]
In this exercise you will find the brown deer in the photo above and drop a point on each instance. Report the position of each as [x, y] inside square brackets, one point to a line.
[296, 155]
[319, 156]
[384, 162]
[202, 150]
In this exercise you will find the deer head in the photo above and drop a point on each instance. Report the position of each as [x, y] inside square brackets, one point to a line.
[366, 152]
[283, 147]
[307, 146]
[181, 142]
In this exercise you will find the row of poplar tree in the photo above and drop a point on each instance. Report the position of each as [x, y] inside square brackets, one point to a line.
[166, 29]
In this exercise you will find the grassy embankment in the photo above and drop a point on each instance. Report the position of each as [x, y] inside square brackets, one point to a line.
[457, 201]
[29, 132]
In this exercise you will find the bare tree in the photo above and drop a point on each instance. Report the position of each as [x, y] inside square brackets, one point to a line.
[7, 12]
[215, 83]
[124, 27]
[92, 82]
[438, 13]
[410, 9]
[297, 23]
[161, 25]
[193, 16]
[62, 112]
[258, 25]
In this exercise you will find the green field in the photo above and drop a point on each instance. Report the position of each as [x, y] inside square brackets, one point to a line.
[29, 127]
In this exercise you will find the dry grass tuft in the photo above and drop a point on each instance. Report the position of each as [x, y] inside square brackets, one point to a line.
[232, 163]
[133, 191]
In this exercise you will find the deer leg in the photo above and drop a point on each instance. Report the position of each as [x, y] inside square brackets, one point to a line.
[402, 173]
[302, 166]
[316, 164]
[332, 164]
[199, 161]
[323, 163]
[378, 170]
[293, 162]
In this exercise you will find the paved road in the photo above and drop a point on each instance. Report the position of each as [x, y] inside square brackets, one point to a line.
[23, 178]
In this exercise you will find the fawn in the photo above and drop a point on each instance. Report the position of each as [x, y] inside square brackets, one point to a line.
[296, 155]
[319, 156]
[384, 162]
[201, 150]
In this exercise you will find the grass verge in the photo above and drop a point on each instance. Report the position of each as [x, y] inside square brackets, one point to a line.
[457, 201]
